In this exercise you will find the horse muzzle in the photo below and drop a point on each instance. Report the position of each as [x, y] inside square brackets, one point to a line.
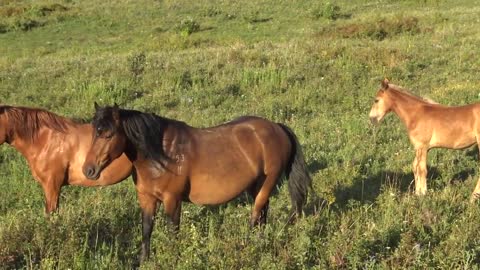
[91, 172]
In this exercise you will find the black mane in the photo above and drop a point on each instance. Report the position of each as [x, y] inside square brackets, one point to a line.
[144, 130]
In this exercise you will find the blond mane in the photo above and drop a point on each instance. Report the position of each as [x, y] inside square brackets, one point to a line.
[406, 92]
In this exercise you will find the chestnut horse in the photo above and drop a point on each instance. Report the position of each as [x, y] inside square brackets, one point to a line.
[429, 125]
[55, 148]
[175, 162]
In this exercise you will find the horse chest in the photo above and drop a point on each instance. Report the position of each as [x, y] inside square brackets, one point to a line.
[158, 181]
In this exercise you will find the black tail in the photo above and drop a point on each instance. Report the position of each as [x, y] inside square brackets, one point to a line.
[299, 180]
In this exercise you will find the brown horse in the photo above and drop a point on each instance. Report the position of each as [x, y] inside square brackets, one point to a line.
[209, 166]
[55, 148]
[429, 125]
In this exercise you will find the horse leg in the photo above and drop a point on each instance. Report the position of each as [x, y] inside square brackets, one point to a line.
[148, 204]
[261, 199]
[420, 171]
[51, 189]
[262, 219]
[476, 191]
[173, 207]
[253, 191]
[415, 174]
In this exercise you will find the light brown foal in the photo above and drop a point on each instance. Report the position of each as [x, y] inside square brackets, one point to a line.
[55, 148]
[429, 125]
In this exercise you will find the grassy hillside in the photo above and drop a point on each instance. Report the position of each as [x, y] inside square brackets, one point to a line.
[313, 65]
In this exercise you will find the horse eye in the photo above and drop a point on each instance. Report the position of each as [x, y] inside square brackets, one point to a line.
[99, 131]
[376, 100]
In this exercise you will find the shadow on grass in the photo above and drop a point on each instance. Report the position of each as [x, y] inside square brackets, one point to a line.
[260, 20]
[473, 153]
[366, 190]
[206, 28]
[463, 175]
[121, 237]
[317, 165]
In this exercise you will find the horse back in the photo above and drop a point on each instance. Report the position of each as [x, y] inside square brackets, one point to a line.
[449, 127]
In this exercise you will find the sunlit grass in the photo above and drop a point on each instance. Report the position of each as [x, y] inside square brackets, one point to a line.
[314, 66]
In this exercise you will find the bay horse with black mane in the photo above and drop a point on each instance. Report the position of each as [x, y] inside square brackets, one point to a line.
[55, 148]
[175, 162]
[429, 125]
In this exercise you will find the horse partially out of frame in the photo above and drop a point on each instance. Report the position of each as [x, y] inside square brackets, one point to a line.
[55, 148]
[429, 125]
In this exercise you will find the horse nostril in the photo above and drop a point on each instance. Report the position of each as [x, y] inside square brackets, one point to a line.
[89, 172]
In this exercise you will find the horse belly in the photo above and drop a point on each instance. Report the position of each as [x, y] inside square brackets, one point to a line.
[452, 137]
[211, 191]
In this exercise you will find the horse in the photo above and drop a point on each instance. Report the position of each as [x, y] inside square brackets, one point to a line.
[55, 147]
[175, 162]
[429, 125]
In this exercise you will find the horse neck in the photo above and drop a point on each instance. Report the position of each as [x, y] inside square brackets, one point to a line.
[11, 137]
[405, 106]
[153, 128]
[5, 129]
[21, 142]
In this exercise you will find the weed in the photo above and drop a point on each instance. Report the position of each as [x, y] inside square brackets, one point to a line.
[188, 26]
[327, 10]
[137, 66]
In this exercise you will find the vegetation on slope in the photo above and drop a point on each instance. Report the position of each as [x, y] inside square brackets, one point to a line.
[313, 65]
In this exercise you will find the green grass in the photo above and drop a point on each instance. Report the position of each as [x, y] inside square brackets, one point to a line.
[313, 65]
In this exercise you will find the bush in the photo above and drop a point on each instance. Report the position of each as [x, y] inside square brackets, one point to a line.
[328, 11]
[188, 27]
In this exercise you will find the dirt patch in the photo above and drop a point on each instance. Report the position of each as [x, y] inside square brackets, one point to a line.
[27, 17]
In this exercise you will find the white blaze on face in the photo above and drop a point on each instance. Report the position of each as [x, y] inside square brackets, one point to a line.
[378, 110]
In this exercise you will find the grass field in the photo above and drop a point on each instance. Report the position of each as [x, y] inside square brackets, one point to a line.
[313, 65]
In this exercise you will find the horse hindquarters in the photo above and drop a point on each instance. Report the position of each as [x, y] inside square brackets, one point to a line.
[276, 152]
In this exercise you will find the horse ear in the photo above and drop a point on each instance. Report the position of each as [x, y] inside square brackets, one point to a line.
[385, 83]
[116, 113]
[95, 104]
